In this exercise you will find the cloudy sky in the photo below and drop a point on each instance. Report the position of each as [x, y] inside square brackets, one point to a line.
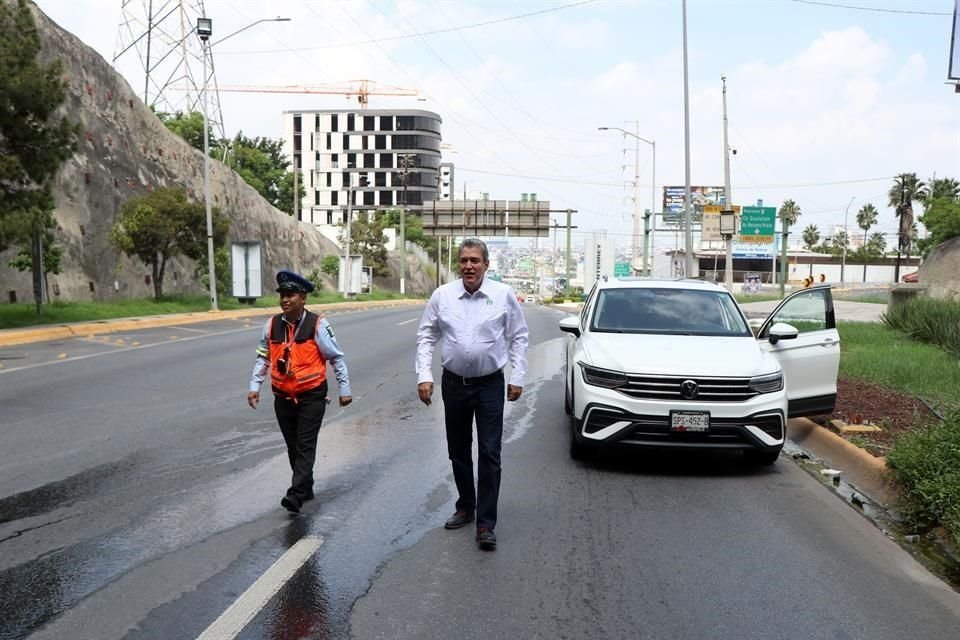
[826, 103]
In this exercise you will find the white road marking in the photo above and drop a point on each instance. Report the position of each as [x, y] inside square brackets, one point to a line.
[407, 321]
[187, 329]
[247, 606]
[121, 349]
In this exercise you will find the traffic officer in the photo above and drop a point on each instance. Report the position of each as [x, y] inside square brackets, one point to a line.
[295, 347]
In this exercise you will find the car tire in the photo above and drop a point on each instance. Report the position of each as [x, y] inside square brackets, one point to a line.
[578, 450]
[762, 458]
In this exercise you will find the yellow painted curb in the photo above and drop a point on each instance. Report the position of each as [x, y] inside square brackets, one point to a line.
[869, 474]
[11, 337]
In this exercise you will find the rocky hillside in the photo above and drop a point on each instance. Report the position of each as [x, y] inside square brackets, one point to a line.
[941, 270]
[124, 151]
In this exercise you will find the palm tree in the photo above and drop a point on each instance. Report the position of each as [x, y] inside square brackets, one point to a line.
[811, 236]
[877, 244]
[866, 218]
[789, 212]
[941, 188]
[905, 190]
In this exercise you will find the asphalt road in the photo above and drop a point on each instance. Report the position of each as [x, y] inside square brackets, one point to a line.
[139, 499]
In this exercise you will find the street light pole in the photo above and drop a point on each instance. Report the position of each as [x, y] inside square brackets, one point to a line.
[346, 243]
[687, 204]
[728, 198]
[204, 29]
[846, 241]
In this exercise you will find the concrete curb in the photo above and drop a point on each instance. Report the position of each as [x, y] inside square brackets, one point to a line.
[867, 473]
[11, 337]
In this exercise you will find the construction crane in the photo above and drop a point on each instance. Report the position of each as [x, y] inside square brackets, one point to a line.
[361, 89]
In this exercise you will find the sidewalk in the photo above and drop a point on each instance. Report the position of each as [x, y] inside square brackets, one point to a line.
[41, 333]
[845, 310]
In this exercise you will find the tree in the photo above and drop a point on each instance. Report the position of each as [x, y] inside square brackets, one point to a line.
[52, 253]
[330, 265]
[876, 245]
[866, 218]
[789, 212]
[187, 126]
[263, 165]
[941, 188]
[839, 242]
[905, 190]
[164, 224]
[811, 236]
[367, 239]
[942, 220]
[34, 140]
[412, 229]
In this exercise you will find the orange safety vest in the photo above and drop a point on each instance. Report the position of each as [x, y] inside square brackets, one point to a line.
[306, 368]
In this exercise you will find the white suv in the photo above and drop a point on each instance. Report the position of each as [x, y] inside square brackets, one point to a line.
[675, 363]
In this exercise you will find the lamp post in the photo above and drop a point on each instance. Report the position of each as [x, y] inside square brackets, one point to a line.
[204, 31]
[687, 200]
[846, 241]
[647, 259]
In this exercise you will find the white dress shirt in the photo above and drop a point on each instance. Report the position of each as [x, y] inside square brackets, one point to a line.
[480, 332]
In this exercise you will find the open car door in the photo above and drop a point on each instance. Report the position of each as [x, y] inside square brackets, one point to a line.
[811, 360]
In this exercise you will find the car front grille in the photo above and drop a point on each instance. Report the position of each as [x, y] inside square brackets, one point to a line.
[647, 387]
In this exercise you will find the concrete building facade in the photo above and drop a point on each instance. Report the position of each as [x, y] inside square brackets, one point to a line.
[342, 152]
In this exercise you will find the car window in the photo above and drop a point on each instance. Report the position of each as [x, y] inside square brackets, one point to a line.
[585, 312]
[668, 311]
[806, 311]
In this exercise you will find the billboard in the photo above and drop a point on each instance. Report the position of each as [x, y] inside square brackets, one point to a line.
[700, 197]
[486, 218]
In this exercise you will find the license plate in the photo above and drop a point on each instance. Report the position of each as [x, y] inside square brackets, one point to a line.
[690, 421]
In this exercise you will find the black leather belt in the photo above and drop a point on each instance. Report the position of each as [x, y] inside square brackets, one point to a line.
[496, 376]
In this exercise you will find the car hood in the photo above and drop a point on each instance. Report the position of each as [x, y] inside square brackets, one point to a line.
[678, 355]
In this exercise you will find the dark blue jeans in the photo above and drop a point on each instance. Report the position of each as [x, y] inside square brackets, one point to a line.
[461, 404]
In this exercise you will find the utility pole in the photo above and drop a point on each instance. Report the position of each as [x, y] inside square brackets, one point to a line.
[635, 262]
[687, 204]
[296, 217]
[211, 267]
[783, 255]
[566, 264]
[648, 229]
[728, 239]
[346, 243]
[405, 166]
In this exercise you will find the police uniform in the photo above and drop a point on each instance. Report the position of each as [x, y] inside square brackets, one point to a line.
[296, 353]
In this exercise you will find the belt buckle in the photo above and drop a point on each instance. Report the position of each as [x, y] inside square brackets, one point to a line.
[464, 381]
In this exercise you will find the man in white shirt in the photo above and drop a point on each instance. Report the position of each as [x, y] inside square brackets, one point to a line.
[482, 327]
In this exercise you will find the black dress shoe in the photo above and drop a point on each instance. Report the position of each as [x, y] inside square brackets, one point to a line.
[309, 496]
[486, 539]
[458, 519]
[291, 504]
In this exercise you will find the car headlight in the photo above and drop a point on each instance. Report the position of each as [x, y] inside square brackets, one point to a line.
[767, 384]
[603, 377]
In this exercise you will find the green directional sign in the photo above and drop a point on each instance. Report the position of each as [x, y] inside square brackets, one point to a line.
[621, 269]
[757, 224]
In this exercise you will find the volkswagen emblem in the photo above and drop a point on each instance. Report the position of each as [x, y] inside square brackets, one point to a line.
[689, 389]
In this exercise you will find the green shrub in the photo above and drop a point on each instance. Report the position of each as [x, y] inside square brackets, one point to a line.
[928, 320]
[926, 464]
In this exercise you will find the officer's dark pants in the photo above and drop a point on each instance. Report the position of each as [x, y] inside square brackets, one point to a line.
[461, 403]
[300, 424]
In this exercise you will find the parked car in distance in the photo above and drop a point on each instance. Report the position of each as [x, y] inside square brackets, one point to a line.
[911, 277]
[668, 364]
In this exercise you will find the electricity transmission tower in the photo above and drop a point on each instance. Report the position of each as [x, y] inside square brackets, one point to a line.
[157, 45]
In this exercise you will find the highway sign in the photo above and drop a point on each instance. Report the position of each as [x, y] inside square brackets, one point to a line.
[757, 224]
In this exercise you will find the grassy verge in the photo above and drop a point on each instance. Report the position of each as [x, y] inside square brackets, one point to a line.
[743, 298]
[926, 464]
[878, 354]
[24, 315]
[873, 297]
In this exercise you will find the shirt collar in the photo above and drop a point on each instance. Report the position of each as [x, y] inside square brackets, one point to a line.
[484, 289]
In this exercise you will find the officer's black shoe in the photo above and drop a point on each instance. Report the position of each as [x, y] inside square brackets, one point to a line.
[291, 504]
[458, 519]
[309, 496]
[486, 539]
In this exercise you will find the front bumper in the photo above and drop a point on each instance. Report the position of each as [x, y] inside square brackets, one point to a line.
[608, 417]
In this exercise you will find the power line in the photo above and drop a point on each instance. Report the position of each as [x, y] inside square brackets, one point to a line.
[425, 33]
[874, 9]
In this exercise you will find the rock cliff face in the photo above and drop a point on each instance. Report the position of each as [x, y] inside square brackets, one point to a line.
[125, 151]
[941, 270]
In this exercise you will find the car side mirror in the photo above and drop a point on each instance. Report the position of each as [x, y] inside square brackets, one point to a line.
[571, 324]
[782, 331]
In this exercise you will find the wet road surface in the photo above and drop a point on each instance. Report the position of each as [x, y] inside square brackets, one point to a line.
[139, 499]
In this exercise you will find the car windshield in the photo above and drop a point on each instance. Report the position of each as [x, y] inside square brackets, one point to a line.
[668, 311]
